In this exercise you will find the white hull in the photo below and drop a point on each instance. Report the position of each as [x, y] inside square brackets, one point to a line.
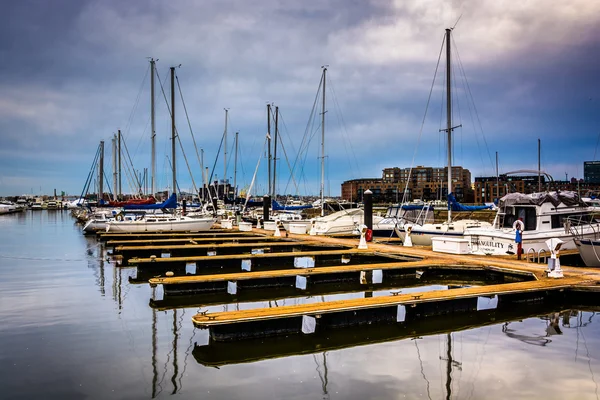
[94, 225]
[421, 234]
[502, 242]
[589, 250]
[176, 224]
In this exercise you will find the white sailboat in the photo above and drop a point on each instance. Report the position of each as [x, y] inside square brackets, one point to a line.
[422, 234]
[164, 222]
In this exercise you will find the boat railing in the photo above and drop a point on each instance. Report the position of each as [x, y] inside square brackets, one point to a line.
[580, 227]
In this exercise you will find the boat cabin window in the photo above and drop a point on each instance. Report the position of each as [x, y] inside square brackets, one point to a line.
[558, 221]
[526, 213]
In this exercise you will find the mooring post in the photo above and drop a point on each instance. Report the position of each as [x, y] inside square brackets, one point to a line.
[368, 200]
[266, 207]
[183, 206]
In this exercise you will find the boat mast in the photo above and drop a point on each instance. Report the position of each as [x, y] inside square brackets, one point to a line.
[114, 162]
[269, 143]
[539, 166]
[449, 119]
[449, 127]
[497, 179]
[275, 152]
[101, 170]
[173, 129]
[235, 168]
[323, 145]
[119, 192]
[225, 155]
[153, 123]
[204, 182]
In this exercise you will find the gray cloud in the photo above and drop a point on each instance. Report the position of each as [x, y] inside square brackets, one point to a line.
[72, 72]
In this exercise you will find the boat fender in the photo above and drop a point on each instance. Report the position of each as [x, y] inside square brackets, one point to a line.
[520, 224]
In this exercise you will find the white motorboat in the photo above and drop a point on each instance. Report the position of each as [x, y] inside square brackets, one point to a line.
[8, 208]
[341, 222]
[421, 234]
[544, 216]
[161, 223]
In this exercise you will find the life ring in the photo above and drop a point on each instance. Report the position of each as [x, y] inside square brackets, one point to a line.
[119, 217]
[520, 224]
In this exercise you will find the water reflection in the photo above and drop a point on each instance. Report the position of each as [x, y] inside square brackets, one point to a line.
[74, 327]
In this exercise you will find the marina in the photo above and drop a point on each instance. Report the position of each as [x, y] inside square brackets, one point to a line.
[194, 321]
[259, 200]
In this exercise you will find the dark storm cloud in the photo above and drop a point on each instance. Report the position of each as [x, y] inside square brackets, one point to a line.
[72, 72]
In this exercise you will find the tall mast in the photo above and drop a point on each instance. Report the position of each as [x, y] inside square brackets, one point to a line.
[497, 179]
[114, 165]
[225, 155]
[204, 182]
[269, 143]
[101, 169]
[235, 167]
[449, 118]
[539, 166]
[323, 146]
[119, 192]
[153, 123]
[173, 129]
[275, 151]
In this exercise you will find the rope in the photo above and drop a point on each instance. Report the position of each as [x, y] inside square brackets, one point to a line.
[190, 126]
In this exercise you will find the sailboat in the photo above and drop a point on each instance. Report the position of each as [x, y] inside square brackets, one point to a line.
[422, 234]
[164, 222]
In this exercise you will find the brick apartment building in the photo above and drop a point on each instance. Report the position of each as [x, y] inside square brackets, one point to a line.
[426, 183]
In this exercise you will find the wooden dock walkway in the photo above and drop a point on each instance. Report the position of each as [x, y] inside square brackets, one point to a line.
[192, 240]
[149, 261]
[171, 247]
[281, 273]
[206, 320]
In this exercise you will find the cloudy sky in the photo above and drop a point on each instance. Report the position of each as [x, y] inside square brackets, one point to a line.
[73, 72]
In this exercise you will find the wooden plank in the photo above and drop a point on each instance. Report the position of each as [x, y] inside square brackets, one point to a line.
[220, 246]
[250, 256]
[282, 273]
[213, 233]
[191, 240]
[220, 318]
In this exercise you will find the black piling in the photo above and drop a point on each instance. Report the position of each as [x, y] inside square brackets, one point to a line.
[368, 200]
[266, 207]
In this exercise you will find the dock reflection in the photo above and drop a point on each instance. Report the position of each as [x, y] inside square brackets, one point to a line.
[217, 353]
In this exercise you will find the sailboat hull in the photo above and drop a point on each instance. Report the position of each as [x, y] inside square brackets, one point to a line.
[175, 224]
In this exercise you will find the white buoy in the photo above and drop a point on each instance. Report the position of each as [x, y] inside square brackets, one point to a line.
[362, 245]
[407, 239]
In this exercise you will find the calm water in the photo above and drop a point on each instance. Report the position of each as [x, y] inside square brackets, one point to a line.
[72, 327]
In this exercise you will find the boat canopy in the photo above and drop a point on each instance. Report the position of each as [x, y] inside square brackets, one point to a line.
[568, 198]
[279, 207]
[171, 202]
[456, 206]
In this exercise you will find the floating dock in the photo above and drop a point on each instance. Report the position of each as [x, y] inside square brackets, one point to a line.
[228, 266]
[308, 318]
